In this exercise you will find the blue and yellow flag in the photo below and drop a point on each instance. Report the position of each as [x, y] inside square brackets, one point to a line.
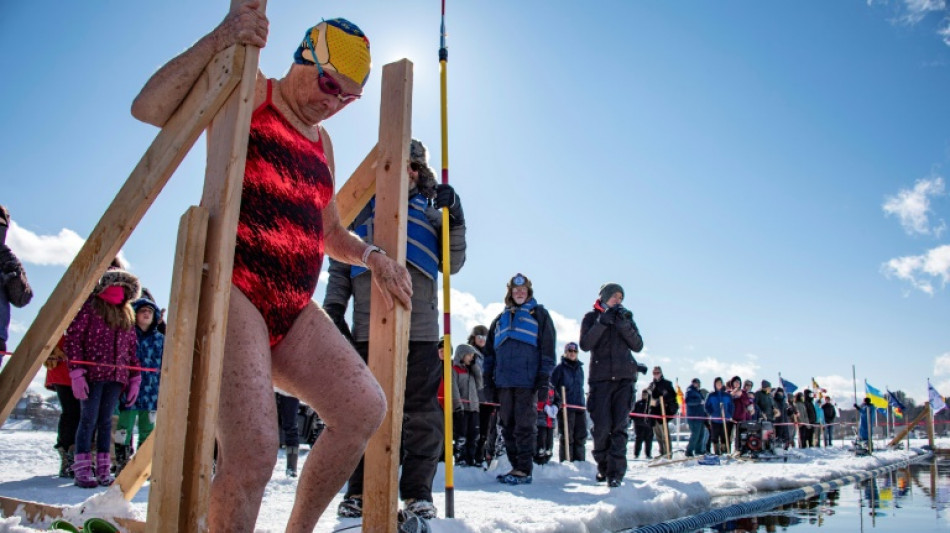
[877, 399]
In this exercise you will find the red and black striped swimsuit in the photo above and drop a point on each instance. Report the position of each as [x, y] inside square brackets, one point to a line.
[279, 250]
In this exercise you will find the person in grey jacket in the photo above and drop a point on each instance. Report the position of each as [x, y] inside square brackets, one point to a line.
[466, 382]
[14, 287]
[422, 429]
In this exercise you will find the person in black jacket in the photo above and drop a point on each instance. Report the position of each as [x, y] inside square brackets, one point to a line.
[643, 426]
[611, 336]
[828, 409]
[661, 390]
[570, 375]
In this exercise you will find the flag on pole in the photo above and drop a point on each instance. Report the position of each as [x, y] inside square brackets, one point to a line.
[895, 404]
[936, 400]
[877, 399]
[679, 396]
[787, 385]
[820, 392]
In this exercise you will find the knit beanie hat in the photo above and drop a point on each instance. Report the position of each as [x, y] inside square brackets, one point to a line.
[766, 384]
[608, 289]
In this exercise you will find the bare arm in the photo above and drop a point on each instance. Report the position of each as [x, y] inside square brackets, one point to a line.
[392, 278]
[168, 87]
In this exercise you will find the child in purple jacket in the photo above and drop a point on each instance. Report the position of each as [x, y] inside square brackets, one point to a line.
[100, 345]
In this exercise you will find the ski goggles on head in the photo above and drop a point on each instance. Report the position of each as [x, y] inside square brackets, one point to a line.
[571, 347]
[519, 280]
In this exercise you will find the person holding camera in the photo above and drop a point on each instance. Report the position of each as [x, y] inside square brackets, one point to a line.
[611, 336]
[519, 359]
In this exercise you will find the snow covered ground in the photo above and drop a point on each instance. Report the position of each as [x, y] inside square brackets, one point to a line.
[563, 498]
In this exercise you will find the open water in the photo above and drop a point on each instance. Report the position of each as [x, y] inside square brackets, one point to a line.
[911, 500]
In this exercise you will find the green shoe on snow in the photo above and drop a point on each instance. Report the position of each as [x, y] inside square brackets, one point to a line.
[63, 525]
[98, 525]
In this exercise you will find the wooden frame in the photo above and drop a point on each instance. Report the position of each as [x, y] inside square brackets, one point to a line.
[221, 101]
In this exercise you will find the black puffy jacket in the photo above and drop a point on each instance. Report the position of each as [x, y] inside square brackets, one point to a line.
[570, 375]
[611, 347]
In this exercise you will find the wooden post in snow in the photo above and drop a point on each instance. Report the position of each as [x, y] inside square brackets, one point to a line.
[389, 328]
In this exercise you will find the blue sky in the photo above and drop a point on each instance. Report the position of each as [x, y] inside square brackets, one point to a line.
[766, 180]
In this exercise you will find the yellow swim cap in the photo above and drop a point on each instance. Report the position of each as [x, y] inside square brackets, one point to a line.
[338, 45]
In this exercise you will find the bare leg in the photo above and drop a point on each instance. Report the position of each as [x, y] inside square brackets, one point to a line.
[247, 428]
[316, 364]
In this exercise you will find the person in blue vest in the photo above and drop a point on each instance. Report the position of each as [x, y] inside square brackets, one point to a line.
[422, 429]
[610, 334]
[569, 375]
[519, 359]
[695, 418]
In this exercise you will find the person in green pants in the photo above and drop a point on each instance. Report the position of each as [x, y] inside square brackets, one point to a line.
[150, 348]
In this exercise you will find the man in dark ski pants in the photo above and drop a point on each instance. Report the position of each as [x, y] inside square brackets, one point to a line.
[519, 358]
[643, 426]
[422, 427]
[661, 390]
[611, 336]
[569, 374]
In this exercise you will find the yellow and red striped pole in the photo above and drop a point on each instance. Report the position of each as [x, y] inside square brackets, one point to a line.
[446, 283]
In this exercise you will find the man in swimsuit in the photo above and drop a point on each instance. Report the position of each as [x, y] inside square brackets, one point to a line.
[277, 336]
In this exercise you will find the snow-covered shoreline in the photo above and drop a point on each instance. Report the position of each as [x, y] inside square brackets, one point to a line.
[563, 497]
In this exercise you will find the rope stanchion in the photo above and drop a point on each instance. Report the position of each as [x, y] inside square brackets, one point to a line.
[566, 431]
[716, 516]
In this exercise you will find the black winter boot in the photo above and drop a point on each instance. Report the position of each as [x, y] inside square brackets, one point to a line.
[292, 453]
[65, 461]
[121, 457]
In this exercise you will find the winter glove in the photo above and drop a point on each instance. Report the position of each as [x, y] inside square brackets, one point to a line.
[624, 314]
[80, 387]
[542, 382]
[132, 390]
[54, 359]
[445, 197]
[642, 368]
[609, 317]
[336, 312]
[491, 394]
[551, 411]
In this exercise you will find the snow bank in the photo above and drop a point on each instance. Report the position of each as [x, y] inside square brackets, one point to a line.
[563, 497]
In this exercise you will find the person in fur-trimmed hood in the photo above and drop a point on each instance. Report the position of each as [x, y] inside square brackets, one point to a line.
[150, 347]
[466, 382]
[422, 430]
[101, 346]
[14, 287]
